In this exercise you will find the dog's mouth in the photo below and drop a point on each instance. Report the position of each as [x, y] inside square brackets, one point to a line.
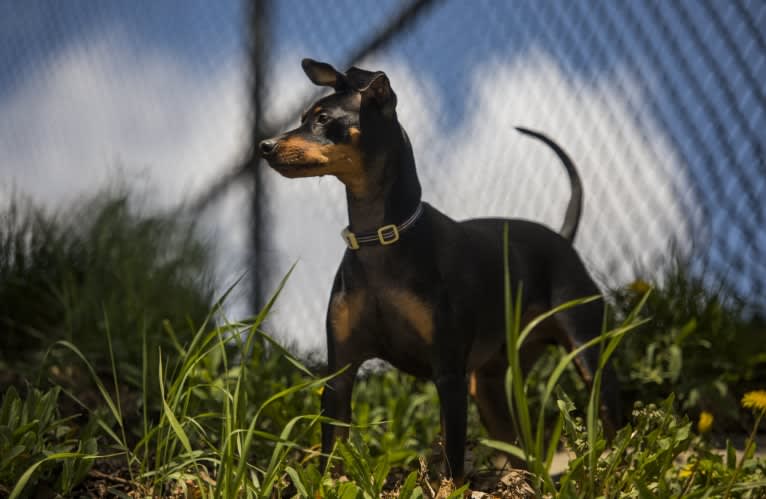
[293, 166]
[296, 169]
[289, 160]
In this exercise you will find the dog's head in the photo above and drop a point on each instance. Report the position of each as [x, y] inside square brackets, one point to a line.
[339, 132]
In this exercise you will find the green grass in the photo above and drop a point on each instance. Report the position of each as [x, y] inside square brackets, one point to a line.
[130, 375]
[702, 345]
[63, 276]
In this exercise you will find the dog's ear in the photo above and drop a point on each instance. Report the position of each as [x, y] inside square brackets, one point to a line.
[374, 87]
[323, 74]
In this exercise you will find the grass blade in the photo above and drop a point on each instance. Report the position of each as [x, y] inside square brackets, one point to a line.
[24, 479]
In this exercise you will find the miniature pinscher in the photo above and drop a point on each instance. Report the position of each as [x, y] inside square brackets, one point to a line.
[417, 288]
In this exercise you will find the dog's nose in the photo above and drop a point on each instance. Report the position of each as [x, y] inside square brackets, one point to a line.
[267, 147]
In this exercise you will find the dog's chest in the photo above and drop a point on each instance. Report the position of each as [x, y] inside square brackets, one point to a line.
[393, 319]
[404, 313]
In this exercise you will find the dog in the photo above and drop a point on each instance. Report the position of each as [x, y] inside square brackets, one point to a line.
[417, 288]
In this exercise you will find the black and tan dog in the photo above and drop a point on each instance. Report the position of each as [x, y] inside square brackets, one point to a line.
[416, 288]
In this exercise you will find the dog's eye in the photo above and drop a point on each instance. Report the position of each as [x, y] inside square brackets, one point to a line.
[322, 118]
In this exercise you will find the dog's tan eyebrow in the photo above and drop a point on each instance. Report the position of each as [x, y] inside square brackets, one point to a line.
[307, 111]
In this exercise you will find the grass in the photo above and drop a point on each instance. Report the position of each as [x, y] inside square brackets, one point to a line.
[701, 345]
[63, 276]
[132, 383]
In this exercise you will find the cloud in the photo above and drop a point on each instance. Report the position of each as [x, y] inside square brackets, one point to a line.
[98, 106]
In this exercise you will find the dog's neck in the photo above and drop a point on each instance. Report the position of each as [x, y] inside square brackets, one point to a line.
[393, 189]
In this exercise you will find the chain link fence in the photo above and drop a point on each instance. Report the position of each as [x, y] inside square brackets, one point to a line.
[662, 106]
[144, 95]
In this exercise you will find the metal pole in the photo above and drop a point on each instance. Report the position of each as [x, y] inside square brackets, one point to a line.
[259, 15]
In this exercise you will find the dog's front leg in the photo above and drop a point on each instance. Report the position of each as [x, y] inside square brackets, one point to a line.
[448, 361]
[336, 404]
[453, 392]
[345, 349]
[449, 375]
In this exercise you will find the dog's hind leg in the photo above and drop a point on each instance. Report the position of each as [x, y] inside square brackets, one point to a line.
[579, 325]
[487, 387]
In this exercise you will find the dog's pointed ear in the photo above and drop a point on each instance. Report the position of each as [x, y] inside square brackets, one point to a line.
[373, 85]
[323, 74]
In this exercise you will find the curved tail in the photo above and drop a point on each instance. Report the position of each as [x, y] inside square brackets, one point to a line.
[574, 208]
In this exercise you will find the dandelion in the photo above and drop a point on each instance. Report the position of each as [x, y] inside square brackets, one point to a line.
[705, 422]
[686, 471]
[755, 400]
[639, 286]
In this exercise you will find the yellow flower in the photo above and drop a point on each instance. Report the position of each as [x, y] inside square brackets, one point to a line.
[755, 400]
[639, 286]
[686, 471]
[320, 390]
[705, 422]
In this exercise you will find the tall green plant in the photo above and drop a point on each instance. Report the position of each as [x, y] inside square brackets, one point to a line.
[208, 426]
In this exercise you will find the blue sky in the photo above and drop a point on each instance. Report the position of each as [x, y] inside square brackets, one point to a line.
[200, 33]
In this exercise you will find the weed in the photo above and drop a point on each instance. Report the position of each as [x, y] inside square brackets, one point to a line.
[700, 345]
[33, 439]
[61, 275]
[224, 411]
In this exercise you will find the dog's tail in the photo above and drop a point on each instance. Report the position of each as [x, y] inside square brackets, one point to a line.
[574, 208]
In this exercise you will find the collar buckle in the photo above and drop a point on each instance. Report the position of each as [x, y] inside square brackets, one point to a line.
[350, 239]
[393, 231]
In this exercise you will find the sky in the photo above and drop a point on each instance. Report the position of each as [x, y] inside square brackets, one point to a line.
[155, 93]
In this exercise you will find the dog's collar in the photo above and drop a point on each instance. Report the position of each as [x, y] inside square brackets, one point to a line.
[388, 234]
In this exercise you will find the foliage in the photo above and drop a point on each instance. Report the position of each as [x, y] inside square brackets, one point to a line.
[62, 276]
[643, 460]
[212, 440]
[641, 457]
[31, 430]
[116, 297]
[235, 408]
[397, 414]
[702, 345]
